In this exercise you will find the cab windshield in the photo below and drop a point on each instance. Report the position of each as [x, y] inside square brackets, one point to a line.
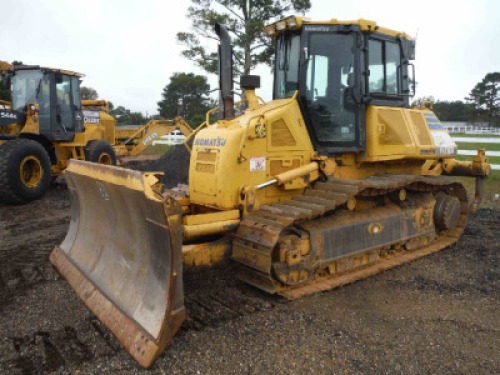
[33, 86]
[26, 87]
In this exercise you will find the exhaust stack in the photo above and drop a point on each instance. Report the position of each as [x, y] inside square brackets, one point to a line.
[225, 72]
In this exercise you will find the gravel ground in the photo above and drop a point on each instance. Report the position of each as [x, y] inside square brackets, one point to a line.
[437, 315]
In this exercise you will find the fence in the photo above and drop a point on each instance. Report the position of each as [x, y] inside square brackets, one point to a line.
[463, 127]
[174, 138]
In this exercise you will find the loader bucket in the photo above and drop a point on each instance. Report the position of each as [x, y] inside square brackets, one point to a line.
[123, 256]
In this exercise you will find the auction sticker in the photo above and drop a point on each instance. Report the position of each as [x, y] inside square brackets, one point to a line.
[258, 164]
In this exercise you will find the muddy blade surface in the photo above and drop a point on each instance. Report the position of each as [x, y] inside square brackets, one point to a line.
[123, 256]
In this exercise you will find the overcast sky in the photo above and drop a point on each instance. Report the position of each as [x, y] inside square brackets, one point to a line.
[127, 48]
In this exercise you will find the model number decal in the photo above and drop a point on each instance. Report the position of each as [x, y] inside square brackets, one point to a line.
[91, 117]
[150, 138]
[212, 142]
[317, 28]
[10, 115]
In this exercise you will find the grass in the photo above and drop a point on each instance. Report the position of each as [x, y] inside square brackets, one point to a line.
[157, 149]
[477, 146]
[475, 135]
[494, 178]
[491, 185]
[491, 189]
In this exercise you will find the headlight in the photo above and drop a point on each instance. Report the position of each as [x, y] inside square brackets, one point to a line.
[280, 25]
[269, 30]
[291, 22]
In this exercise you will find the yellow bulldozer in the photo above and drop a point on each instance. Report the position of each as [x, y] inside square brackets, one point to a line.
[336, 179]
[46, 124]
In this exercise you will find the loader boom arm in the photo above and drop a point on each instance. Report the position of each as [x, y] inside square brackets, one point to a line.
[135, 143]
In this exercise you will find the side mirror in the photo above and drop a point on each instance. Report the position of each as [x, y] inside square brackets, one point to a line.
[59, 77]
[411, 55]
[410, 76]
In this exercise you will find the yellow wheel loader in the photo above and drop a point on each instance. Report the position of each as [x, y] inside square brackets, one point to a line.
[46, 124]
[336, 179]
[44, 127]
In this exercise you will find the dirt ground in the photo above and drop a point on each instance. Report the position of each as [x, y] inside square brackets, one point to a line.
[437, 315]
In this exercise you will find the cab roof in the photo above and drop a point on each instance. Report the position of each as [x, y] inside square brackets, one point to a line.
[296, 22]
[37, 67]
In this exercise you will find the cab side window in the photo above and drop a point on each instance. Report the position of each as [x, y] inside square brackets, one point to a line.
[385, 67]
[63, 96]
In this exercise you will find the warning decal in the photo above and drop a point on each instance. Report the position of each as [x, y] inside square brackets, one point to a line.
[258, 164]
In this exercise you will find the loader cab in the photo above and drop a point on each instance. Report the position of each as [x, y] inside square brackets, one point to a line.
[57, 94]
[338, 70]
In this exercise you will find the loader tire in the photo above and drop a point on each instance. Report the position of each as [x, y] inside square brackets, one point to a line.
[100, 152]
[25, 171]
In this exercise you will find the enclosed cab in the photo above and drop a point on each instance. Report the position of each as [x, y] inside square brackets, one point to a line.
[58, 97]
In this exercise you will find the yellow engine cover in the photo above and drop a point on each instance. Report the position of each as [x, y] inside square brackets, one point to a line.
[247, 151]
[400, 133]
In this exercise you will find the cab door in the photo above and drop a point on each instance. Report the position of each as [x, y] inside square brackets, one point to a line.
[64, 108]
[331, 87]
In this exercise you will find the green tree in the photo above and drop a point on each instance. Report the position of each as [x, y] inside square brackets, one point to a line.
[186, 95]
[124, 116]
[485, 99]
[121, 115]
[137, 118]
[452, 111]
[244, 20]
[88, 93]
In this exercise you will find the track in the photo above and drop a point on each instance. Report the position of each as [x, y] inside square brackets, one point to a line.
[271, 228]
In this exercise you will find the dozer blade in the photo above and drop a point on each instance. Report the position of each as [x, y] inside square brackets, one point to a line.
[123, 256]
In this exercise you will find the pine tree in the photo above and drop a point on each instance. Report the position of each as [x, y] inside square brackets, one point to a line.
[245, 20]
[485, 98]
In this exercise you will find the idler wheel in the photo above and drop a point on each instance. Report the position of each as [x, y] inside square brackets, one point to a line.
[446, 211]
